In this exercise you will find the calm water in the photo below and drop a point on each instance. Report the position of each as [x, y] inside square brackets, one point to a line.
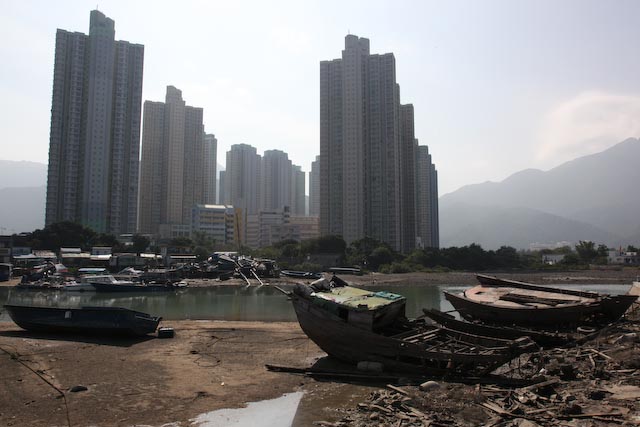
[230, 302]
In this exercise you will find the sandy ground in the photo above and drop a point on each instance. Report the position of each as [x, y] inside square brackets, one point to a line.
[208, 365]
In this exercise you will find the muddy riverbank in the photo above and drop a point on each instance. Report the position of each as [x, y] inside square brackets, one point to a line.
[208, 365]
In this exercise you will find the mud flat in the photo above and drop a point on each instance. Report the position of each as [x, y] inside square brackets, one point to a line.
[208, 365]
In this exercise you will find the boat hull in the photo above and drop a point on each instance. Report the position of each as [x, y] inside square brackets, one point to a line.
[539, 336]
[345, 342]
[85, 320]
[594, 308]
[108, 287]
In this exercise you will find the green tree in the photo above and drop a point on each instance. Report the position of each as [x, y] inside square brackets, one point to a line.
[586, 251]
[61, 235]
[379, 256]
[140, 243]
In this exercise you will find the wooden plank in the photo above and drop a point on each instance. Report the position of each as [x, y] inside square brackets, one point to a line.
[397, 389]
[541, 384]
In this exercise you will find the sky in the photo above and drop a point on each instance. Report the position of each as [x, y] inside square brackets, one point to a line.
[497, 86]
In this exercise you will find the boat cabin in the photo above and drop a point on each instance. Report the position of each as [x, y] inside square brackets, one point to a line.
[368, 310]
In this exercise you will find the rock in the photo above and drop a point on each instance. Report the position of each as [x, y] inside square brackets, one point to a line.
[567, 372]
[429, 385]
[77, 388]
[597, 394]
[571, 409]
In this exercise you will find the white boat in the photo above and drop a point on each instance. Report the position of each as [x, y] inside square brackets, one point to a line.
[88, 281]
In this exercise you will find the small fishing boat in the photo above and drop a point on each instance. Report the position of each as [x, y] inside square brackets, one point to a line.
[84, 320]
[541, 337]
[108, 283]
[301, 274]
[356, 325]
[508, 302]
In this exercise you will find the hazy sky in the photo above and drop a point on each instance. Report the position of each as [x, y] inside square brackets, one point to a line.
[497, 86]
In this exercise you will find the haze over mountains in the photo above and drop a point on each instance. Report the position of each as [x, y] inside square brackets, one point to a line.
[590, 198]
[22, 196]
[594, 198]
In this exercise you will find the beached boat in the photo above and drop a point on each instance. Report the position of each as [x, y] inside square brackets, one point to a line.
[545, 338]
[356, 325]
[84, 320]
[508, 302]
[301, 274]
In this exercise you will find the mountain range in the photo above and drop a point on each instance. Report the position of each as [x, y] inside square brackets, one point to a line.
[593, 197]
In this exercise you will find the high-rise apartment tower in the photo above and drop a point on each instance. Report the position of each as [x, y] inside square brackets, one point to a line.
[94, 140]
[172, 179]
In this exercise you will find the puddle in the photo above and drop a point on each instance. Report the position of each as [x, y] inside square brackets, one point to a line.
[277, 412]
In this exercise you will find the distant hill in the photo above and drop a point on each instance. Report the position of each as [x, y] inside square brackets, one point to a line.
[22, 209]
[22, 174]
[494, 226]
[596, 196]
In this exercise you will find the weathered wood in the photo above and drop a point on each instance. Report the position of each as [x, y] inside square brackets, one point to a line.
[599, 353]
[541, 384]
[397, 389]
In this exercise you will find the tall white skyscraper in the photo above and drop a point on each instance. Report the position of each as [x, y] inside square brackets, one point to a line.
[210, 168]
[367, 159]
[242, 173]
[95, 129]
[276, 181]
[426, 199]
[172, 179]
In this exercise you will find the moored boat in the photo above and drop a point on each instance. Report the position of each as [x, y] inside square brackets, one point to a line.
[301, 274]
[356, 325]
[83, 320]
[508, 302]
[107, 283]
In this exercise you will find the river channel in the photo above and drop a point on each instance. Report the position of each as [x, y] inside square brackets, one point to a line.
[233, 303]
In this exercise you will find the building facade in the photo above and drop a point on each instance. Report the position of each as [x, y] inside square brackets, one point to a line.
[367, 162]
[314, 188]
[94, 140]
[210, 168]
[426, 178]
[298, 184]
[269, 227]
[216, 221]
[241, 177]
[172, 178]
[276, 183]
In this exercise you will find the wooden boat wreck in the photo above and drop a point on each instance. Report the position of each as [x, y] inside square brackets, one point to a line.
[508, 302]
[545, 338]
[83, 320]
[356, 325]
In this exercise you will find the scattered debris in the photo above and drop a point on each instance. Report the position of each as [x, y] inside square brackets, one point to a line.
[596, 383]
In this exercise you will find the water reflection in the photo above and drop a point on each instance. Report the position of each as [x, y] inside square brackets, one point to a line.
[277, 412]
[231, 302]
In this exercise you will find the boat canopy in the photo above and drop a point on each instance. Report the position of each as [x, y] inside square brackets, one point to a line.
[359, 299]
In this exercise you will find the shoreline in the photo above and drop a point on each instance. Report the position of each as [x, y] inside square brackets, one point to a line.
[541, 277]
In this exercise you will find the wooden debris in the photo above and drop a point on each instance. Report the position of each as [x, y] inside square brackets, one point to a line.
[397, 389]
